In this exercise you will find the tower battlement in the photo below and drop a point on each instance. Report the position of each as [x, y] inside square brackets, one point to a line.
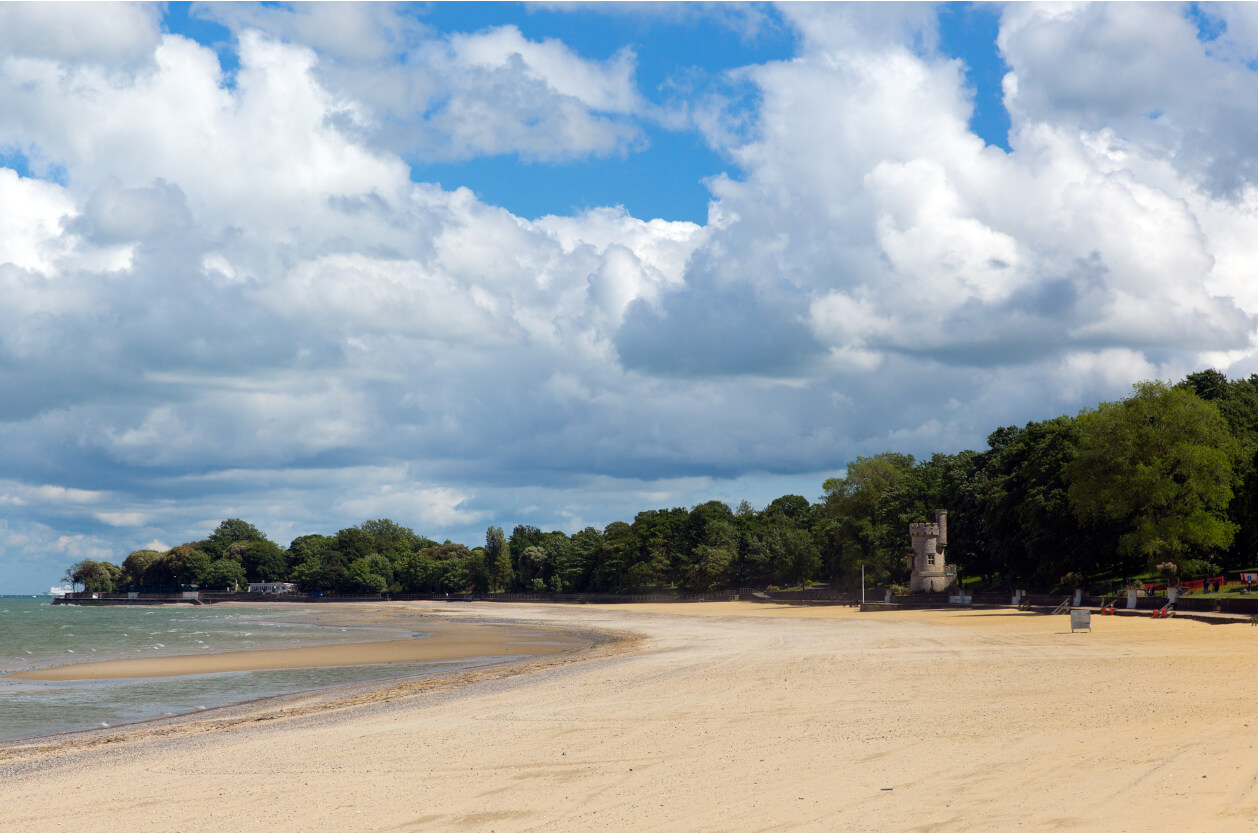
[929, 571]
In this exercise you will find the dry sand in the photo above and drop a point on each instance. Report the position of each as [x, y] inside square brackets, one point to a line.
[723, 717]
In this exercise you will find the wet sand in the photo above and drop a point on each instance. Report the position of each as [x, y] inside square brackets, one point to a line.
[443, 642]
[722, 717]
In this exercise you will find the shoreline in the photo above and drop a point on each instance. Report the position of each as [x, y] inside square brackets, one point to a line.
[440, 644]
[491, 644]
[34, 753]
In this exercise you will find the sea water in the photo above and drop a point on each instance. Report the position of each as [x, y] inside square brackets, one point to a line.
[35, 634]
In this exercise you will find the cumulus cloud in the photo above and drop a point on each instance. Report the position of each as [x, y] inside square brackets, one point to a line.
[868, 201]
[232, 299]
[104, 33]
[461, 95]
[361, 31]
[1166, 92]
[495, 92]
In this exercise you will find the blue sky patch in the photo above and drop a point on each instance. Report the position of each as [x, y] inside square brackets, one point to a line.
[968, 31]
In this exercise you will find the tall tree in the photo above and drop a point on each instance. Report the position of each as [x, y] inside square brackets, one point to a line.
[264, 561]
[134, 566]
[1161, 464]
[869, 526]
[1034, 537]
[800, 559]
[229, 532]
[1238, 403]
[575, 568]
[392, 538]
[616, 554]
[497, 560]
[95, 576]
[793, 508]
[224, 574]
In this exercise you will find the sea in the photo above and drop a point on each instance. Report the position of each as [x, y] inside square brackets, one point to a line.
[34, 633]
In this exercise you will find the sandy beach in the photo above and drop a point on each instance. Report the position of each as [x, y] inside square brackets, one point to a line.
[721, 717]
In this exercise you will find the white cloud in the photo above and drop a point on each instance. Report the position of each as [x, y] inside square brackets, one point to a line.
[21, 494]
[461, 95]
[361, 31]
[496, 92]
[124, 519]
[36, 555]
[1081, 374]
[607, 86]
[867, 199]
[438, 507]
[30, 222]
[109, 33]
[1167, 94]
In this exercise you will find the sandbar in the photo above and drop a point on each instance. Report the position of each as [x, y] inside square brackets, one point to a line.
[721, 717]
[443, 642]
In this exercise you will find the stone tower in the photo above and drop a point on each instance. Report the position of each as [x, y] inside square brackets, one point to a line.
[930, 573]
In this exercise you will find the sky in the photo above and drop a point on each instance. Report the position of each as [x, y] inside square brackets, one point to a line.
[463, 265]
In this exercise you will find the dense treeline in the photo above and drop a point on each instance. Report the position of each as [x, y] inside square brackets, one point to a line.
[1165, 476]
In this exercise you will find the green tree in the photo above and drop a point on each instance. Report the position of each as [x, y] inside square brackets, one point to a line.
[229, 532]
[454, 574]
[759, 553]
[417, 573]
[574, 568]
[962, 490]
[95, 576]
[180, 566]
[709, 569]
[497, 560]
[800, 559]
[135, 565]
[196, 564]
[391, 537]
[361, 576]
[1238, 403]
[1033, 535]
[712, 546]
[305, 547]
[793, 508]
[224, 574]
[264, 561]
[534, 563]
[869, 528]
[313, 574]
[617, 552]
[1161, 464]
[523, 537]
[663, 546]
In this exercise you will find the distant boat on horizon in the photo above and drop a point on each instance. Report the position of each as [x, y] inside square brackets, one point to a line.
[60, 592]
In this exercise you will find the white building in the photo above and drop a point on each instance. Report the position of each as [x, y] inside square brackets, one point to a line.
[272, 587]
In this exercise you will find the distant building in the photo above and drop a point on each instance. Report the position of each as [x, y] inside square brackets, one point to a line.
[272, 587]
[930, 573]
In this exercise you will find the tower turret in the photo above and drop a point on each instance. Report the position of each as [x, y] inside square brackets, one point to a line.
[929, 570]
